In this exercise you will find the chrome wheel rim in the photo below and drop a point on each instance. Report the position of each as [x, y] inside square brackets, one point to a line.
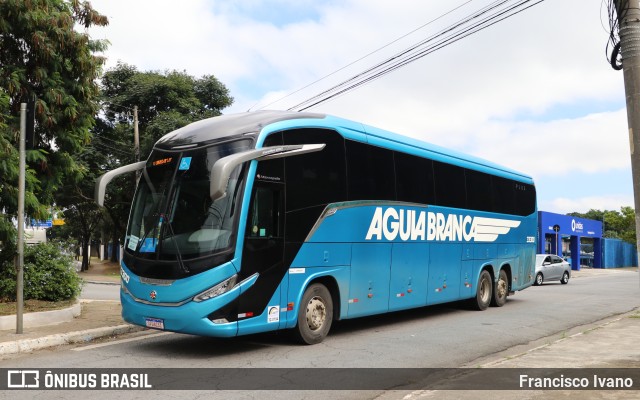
[502, 288]
[316, 313]
[484, 290]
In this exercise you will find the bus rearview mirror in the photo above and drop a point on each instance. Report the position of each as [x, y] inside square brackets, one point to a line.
[222, 169]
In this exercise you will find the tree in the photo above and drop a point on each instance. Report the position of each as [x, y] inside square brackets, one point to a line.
[166, 101]
[45, 58]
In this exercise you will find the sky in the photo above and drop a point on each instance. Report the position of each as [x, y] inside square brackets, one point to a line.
[533, 92]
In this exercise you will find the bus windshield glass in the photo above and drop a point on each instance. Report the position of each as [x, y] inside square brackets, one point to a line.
[173, 216]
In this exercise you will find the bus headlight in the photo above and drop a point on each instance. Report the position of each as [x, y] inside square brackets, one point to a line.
[217, 290]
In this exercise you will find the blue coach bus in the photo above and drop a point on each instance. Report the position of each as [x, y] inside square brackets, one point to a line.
[271, 220]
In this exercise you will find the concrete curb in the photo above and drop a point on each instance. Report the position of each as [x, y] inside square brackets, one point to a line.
[103, 283]
[27, 345]
[42, 318]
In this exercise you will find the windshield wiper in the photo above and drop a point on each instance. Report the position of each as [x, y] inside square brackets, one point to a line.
[178, 253]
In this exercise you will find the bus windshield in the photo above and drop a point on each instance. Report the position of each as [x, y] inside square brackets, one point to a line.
[173, 216]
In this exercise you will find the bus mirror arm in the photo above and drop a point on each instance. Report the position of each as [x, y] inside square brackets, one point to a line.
[103, 181]
[222, 169]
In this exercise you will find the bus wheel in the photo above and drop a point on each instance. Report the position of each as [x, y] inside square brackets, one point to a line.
[315, 315]
[501, 290]
[483, 292]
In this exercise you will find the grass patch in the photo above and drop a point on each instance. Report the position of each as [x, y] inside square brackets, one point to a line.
[9, 308]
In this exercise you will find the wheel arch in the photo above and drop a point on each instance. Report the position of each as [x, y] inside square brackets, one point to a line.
[332, 285]
[507, 268]
[478, 302]
[488, 266]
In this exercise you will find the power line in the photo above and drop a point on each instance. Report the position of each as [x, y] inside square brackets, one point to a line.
[481, 19]
[450, 34]
[365, 56]
[105, 147]
[612, 50]
[112, 104]
[415, 57]
[102, 137]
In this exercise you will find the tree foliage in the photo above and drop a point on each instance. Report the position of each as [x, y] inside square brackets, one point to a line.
[45, 58]
[48, 275]
[166, 101]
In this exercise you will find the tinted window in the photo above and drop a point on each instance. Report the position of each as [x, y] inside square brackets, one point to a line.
[300, 222]
[525, 198]
[479, 191]
[370, 172]
[449, 185]
[271, 170]
[316, 178]
[414, 179]
[264, 214]
[504, 195]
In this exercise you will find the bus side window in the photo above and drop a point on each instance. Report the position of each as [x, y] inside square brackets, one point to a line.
[265, 213]
[504, 196]
[479, 191]
[370, 172]
[450, 185]
[414, 179]
[315, 179]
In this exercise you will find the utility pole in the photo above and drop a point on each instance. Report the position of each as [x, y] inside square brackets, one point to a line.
[21, 190]
[628, 12]
[136, 139]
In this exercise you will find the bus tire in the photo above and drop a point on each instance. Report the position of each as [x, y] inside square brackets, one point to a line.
[500, 290]
[315, 315]
[484, 291]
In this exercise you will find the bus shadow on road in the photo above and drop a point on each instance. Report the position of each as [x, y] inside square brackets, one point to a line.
[396, 318]
[194, 347]
[203, 347]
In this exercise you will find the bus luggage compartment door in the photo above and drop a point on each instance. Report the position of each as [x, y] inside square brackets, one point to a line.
[409, 272]
[369, 281]
[444, 273]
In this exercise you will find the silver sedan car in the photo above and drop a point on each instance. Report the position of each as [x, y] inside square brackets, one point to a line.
[550, 267]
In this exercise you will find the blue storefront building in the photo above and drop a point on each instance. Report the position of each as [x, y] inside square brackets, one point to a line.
[552, 228]
[580, 241]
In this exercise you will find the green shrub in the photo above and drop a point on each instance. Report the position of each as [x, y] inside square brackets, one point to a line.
[49, 275]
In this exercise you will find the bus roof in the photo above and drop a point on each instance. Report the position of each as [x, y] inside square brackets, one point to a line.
[214, 129]
[393, 141]
[263, 123]
[439, 153]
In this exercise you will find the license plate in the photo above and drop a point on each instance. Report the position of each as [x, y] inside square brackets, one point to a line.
[154, 323]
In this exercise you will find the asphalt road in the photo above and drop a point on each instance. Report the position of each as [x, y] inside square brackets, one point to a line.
[441, 336]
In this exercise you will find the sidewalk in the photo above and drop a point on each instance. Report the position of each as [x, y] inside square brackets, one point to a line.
[102, 272]
[611, 343]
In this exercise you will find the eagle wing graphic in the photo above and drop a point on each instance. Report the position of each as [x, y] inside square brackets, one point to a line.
[488, 229]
